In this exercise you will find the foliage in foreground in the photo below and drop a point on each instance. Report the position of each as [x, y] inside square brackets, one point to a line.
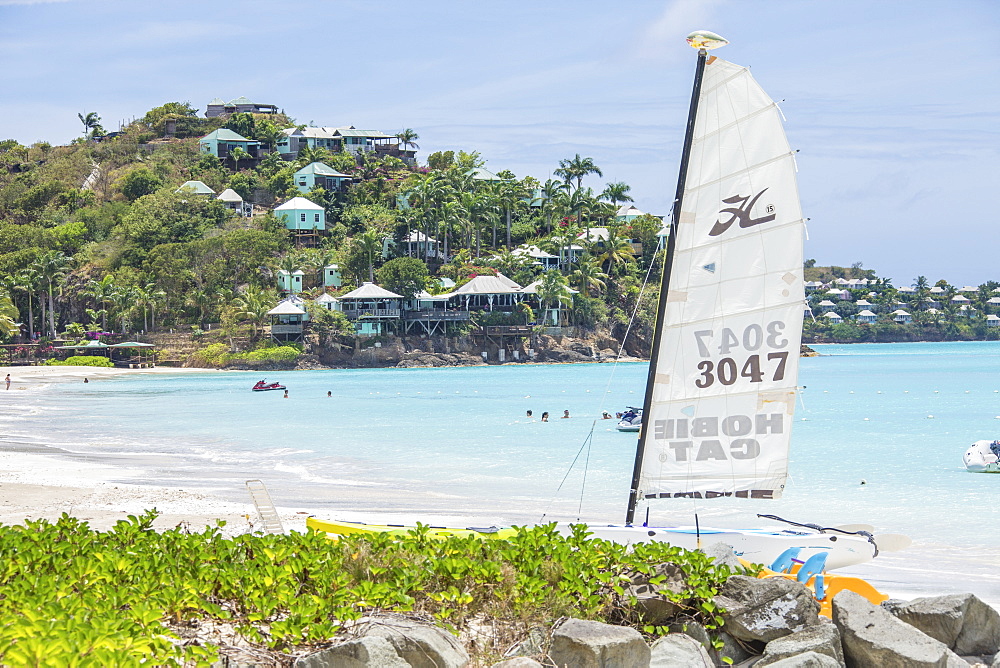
[81, 360]
[73, 596]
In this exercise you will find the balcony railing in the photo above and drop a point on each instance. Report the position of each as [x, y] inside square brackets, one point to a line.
[372, 313]
[436, 314]
[286, 329]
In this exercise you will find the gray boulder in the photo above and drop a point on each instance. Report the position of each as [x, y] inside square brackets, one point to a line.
[367, 652]
[766, 609]
[677, 649]
[806, 660]
[586, 644]
[652, 600]
[723, 555]
[823, 638]
[420, 645]
[960, 621]
[871, 636]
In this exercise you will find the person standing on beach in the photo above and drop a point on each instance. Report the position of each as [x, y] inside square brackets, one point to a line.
[8, 381]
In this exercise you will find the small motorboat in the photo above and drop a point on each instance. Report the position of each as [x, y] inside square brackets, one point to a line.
[983, 457]
[630, 420]
[264, 386]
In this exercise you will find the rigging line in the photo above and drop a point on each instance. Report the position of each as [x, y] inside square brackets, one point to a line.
[586, 468]
[628, 329]
[585, 444]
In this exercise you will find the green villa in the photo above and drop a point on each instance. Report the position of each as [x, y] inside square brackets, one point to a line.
[197, 187]
[318, 174]
[221, 143]
[302, 214]
[290, 283]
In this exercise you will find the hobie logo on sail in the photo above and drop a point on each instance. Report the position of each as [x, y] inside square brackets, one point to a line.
[741, 213]
[741, 430]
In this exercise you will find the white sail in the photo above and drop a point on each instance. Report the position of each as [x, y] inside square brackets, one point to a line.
[725, 377]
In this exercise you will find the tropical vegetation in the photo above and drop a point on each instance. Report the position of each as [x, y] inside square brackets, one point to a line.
[73, 596]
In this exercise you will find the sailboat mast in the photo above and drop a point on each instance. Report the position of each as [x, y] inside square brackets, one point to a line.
[668, 262]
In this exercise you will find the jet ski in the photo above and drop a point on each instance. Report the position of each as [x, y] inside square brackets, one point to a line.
[263, 386]
[630, 420]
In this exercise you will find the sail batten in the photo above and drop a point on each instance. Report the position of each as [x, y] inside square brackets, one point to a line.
[725, 371]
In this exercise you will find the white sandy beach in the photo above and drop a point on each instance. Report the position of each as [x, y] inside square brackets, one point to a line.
[35, 483]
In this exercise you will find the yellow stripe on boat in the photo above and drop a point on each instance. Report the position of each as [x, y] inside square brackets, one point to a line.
[335, 528]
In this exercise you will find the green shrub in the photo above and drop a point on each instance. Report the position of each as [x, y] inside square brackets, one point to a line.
[81, 360]
[119, 597]
[213, 355]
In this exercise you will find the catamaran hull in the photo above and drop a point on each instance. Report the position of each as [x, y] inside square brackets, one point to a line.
[759, 546]
[755, 545]
[980, 459]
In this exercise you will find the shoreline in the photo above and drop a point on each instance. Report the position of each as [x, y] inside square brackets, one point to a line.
[39, 480]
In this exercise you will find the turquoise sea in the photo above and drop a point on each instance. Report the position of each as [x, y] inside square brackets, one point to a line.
[878, 439]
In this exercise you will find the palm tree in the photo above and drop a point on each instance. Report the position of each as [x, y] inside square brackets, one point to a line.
[51, 266]
[587, 274]
[554, 198]
[310, 154]
[103, 292]
[368, 244]
[616, 251]
[8, 317]
[576, 168]
[253, 305]
[407, 137]
[617, 193]
[552, 290]
[91, 121]
[27, 282]
[237, 154]
[125, 300]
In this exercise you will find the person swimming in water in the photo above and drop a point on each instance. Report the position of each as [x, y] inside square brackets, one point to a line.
[565, 414]
[545, 416]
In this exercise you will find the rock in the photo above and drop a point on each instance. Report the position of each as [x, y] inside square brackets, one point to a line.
[420, 645]
[517, 662]
[735, 649]
[585, 644]
[766, 609]
[651, 601]
[871, 636]
[723, 555]
[366, 652]
[677, 649]
[806, 660]
[823, 638]
[693, 630]
[961, 621]
[533, 645]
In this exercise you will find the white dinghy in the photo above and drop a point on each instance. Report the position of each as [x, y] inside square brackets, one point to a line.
[983, 457]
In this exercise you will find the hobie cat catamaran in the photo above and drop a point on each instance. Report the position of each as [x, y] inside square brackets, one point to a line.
[721, 389]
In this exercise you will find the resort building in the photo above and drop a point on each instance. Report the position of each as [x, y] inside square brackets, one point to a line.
[902, 317]
[287, 320]
[318, 174]
[348, 139]
[232, 201]
[538, 257]
[290, 283]
[993, 320]
[833, 317]
[430, 314]
[196, 187]
[416, 244]
[866, 316]
[372, 308]
[221, 143]
[627, 213]
[241, 104]
[304, 218]
[332, 277]
[486, 293]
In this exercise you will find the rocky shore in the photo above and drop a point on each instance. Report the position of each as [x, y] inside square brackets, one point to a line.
[771, 622]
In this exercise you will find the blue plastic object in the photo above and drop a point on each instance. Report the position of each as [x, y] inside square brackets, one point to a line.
[785, 560]
[813, 567]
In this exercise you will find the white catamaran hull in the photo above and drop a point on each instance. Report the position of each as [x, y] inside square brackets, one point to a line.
[981, 459]
[759, 546]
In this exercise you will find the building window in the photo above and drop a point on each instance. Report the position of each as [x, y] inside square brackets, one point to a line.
[315, 217]
[302, 217]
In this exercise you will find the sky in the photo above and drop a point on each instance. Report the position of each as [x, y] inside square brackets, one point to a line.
[892, 105]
